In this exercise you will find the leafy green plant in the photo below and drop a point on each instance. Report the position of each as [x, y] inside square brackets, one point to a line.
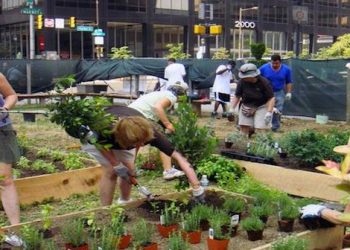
[64, 82]
[46, 211]
[49, 245]
[32, 237]
[73, 233]
[252, 223]
[220, 169]
[142, 233]
[217, 221]
[221, 53]
[290, 243]
[190, 139]
[170, 214]
[264, 210]
[23, 162]
[117, 225]
[339, 49]
[71, 114]
[41, 165]
[289, 213]
[43, 152]
[191, 222]
[234, 205]
[176, 242]
[57, 155]
[263, 145]
[107, 241]
[236, 138]
[72, 161]
[121, 53]
[176, 51]
[203, 212]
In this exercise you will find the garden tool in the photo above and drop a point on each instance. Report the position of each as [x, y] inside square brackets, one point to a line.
[123, 172]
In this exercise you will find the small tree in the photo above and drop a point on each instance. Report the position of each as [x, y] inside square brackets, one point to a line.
[221, 53]
[258, 50]
[121, 53]
[339, 49]
[176, 51]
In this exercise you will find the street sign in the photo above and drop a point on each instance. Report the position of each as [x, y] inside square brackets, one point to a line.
[300, 14]
[49, 23]
[59, 23]
[31, 11]
[98, 32]
[29, 2]
[85, 28]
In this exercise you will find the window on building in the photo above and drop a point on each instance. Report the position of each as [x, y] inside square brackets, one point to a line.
[330, 3]
[327, 19]
[275, 14]
[173, 7]
[345, 3]
[128, 5]
[11, 4]
[276, 41]
[345, 21]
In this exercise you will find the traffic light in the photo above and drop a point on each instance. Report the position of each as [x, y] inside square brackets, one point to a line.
[72, 22]
[39, 22]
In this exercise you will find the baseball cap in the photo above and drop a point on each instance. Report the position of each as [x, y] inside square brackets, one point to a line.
[248, 70]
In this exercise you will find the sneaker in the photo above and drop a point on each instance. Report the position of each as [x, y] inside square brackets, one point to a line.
[13, 240]
[172, 173]
[214, 114]
[121, 201]
[198, 192]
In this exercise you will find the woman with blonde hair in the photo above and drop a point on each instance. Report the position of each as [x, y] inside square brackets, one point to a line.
[129, 133]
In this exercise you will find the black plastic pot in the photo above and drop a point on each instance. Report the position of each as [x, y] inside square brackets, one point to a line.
[246, 157]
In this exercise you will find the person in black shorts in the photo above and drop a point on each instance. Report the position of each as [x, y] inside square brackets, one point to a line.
[129, 133]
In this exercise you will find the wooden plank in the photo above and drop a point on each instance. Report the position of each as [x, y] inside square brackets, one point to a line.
[59, 185]
[296, 182]
[327, 238]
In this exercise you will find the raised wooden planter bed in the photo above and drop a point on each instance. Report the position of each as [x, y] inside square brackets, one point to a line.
[329, 238]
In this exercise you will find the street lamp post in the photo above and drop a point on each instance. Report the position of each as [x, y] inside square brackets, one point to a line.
[240, 39]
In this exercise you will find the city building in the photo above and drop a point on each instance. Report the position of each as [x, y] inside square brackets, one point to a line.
[146, 26]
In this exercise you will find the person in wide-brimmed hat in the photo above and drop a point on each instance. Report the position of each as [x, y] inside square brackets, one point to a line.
[257, 100]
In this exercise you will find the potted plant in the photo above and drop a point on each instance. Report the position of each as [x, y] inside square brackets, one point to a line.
[217, 239]
[290, 243]
[49, 245]
[73, 235]
[254, 227]
[234, 206]
[168, 220]
[142, 236]
[231, 138]
[46, 230]
[191, 230]
[262, 211]
[107, 241]
[203, 212]
[31, 237]
[118, 228]
[176, 242]
[287, 215]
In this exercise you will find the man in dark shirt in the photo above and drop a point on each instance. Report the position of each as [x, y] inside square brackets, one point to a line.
[257, 100]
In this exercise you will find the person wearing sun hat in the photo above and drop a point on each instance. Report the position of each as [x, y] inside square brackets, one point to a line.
[255, 95]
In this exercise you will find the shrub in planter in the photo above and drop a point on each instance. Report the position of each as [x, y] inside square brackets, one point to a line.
[142, 235]
[32, 238]
[107, 241]
[262, 212]
[254, 227]
[225, 220]
[217, 239]
[203, 212]
[74, 236]
[191, 228]
[176, 242]
[168, 220]
[290, 243]
[118, 228]
[234, 206]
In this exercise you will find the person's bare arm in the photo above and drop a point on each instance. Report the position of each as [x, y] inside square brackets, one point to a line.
[270, 104]
[235, 101]
[8, 93]
[289, 87]
[159, 109]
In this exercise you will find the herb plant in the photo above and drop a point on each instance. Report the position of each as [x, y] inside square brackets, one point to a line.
[117, 225]
[216, 223]
[57, 155]
[234, 205]
[41, 165]
[142, 233]
[32, 237]
[290, 243]
[73, 233]
[72, 161]
[170, 214]
[176, 242]
[107, 241]
[23, 162]
[264, 210]
[252, 223]
[203, 212]
[46, 211]
[191, 222]
[43, 153]
[220, 169]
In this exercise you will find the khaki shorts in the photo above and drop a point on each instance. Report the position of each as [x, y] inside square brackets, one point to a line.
[120, 155]
[256, 121]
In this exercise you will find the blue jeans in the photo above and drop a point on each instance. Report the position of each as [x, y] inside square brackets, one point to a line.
[279, 102]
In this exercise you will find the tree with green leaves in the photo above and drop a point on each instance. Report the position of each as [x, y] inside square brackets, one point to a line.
[121, 53]
[221, 53]
[339, 49]
[176, 51]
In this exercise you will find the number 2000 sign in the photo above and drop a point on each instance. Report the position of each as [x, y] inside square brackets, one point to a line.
[243, 24]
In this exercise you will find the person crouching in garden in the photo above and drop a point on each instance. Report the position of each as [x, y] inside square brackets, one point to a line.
[255, 95]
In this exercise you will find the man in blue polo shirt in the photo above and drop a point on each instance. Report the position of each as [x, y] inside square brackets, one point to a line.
[280, 79]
